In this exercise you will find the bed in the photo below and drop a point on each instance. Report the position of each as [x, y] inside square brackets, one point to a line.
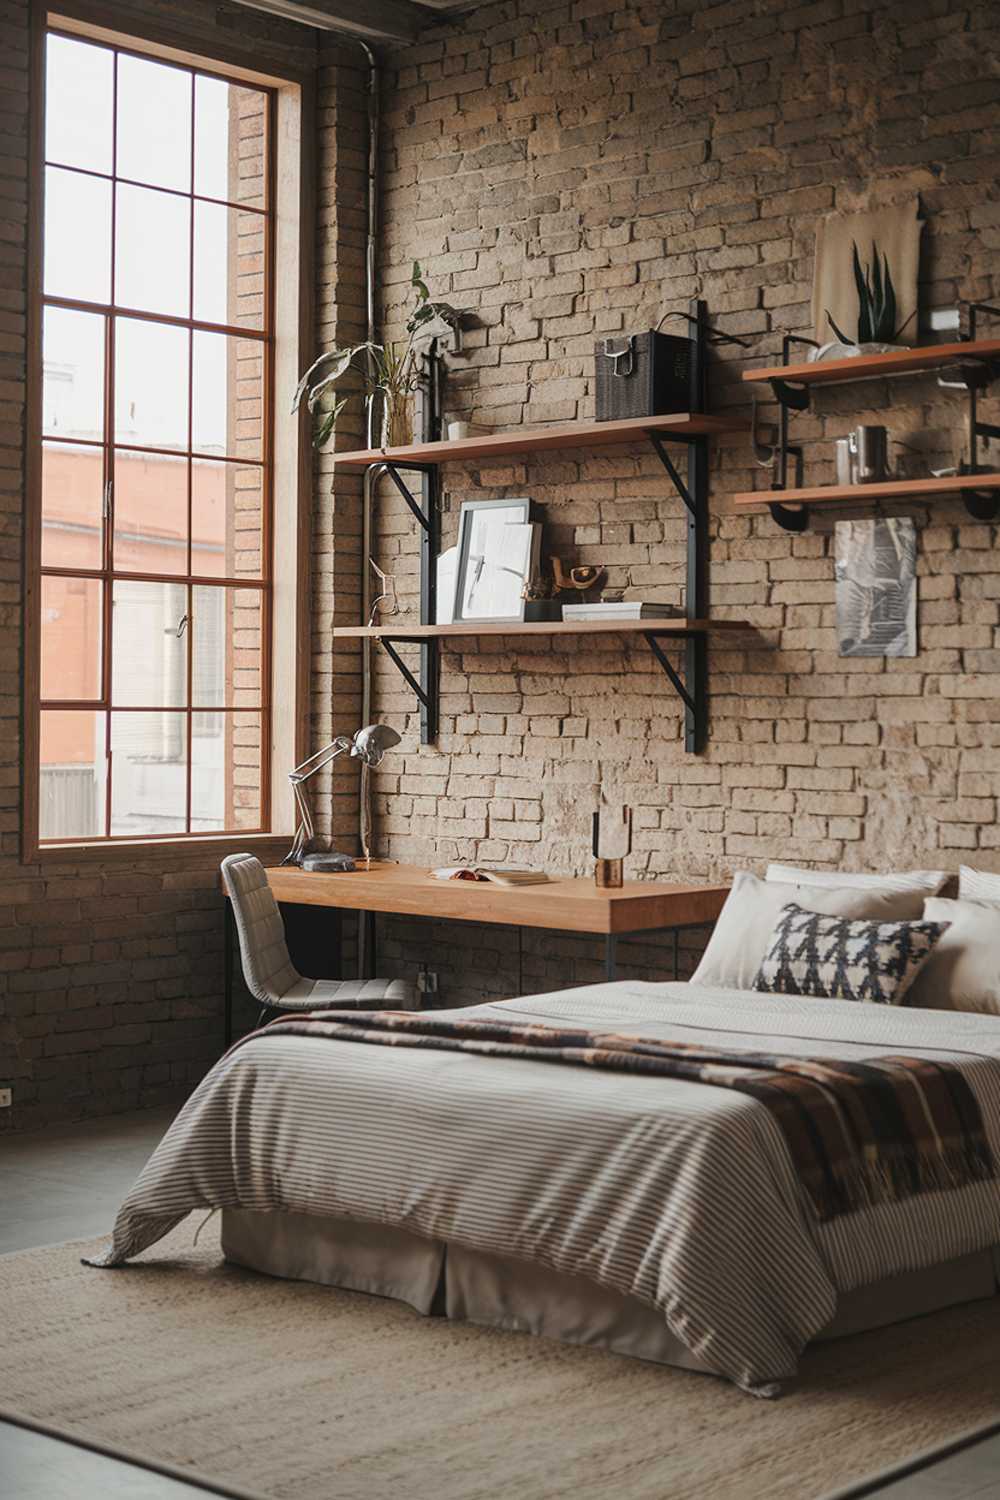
[659, 1217]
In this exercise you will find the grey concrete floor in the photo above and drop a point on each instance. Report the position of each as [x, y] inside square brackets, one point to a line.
[67, 1182]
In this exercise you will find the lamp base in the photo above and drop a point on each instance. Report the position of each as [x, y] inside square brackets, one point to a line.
[330, 864]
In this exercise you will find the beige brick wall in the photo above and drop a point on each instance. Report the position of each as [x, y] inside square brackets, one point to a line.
[574, 169]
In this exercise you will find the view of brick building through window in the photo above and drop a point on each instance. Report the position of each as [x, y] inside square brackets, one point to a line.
[155, 598]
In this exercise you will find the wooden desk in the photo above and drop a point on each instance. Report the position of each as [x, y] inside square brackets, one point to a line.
[558, 905]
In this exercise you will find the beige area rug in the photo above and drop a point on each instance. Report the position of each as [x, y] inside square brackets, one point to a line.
[300, 1392]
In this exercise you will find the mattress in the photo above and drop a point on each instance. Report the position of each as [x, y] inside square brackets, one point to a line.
[496, 1291]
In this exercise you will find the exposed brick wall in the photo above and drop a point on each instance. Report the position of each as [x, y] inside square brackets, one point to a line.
[567, 170]
[110, 975]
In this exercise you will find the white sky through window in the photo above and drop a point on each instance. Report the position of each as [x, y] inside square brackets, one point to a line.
[152, 271]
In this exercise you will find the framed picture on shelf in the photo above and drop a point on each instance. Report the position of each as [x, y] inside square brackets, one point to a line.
[498, 552]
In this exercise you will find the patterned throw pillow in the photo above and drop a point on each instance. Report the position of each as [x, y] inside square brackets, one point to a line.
[834, 958]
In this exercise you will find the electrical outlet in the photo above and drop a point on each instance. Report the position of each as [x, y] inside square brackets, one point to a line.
[5, 1098]
[427, 982]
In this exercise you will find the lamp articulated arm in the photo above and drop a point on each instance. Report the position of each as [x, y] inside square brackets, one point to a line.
[368, 745]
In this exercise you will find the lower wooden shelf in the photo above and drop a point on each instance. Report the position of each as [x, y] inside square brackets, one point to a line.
[855, 494]
[689, 682]
[402, 631]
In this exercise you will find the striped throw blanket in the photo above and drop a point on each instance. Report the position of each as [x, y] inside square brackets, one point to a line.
[859, 1133]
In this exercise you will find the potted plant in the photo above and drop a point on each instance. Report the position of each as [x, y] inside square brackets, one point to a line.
[877, 331]
[389, 370]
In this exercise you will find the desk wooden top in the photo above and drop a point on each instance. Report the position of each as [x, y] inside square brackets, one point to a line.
[562, 905]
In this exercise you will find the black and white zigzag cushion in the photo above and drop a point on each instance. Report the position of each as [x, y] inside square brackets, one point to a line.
[835, 958]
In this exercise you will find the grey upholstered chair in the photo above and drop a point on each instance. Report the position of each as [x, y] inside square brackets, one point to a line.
[267, 968]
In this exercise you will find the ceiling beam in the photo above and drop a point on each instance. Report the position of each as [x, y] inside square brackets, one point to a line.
[373, 21]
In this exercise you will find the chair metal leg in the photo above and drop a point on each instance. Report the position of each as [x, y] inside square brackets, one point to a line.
[228, 935]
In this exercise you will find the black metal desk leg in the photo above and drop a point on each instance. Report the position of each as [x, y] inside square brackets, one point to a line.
[676, 952]
[610, 955]
[228, 935]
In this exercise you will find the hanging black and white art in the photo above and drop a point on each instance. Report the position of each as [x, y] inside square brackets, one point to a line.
[876, 587]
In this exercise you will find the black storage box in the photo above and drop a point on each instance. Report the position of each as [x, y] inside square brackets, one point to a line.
[642, 375]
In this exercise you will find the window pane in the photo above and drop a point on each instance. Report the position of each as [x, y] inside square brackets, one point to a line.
[228, 266]
[149, 644]
[151, 384]
[72, 506]
[71, 781]
[78, 104]
[73, 374]
[153, 251]
[154, 123]
[230, 122]
[227, 413]
[226, 774]
[226, 647]
[227, 509]
[150, 512]
[148, 773]
[71, 639]
[77, 236]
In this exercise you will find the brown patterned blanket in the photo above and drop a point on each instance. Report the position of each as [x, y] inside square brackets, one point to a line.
[859, 1133]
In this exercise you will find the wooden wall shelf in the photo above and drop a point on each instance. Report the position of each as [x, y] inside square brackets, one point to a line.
[860, 494]
[679, 426]
[878, 366]
[678, 629]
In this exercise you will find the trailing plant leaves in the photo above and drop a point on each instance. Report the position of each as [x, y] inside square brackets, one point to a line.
[416, 280]
[328, 422]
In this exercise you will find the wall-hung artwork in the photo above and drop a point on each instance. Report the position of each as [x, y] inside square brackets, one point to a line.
[865, 280]
[498, 547]
[876, 587]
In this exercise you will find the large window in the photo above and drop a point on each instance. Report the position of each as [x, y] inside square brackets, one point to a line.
[154, 591]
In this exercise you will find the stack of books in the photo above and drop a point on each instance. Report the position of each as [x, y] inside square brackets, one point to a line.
[625, 609]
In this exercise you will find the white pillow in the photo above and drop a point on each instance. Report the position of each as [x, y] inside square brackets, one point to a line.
[978, 885]
[929, 882]
[737, 946]
[963, 971]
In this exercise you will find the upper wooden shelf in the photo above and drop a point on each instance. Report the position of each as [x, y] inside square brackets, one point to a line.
[858, 494]
[872, 366]
[671, 626]
[535, 439]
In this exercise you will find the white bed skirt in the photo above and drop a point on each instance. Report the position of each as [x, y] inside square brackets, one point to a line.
[498, 1292]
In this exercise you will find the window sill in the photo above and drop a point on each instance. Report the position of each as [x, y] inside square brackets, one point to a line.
[267, 847]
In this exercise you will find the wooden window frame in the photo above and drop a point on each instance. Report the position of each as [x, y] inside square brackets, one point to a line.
[286, 688]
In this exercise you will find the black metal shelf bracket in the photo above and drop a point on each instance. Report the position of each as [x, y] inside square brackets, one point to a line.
[390, 650]
[982, 505]
[794, 518]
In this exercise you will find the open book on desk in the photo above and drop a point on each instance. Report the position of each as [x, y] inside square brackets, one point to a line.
[495, 876]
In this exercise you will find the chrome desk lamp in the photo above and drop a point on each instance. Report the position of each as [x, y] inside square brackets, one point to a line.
[369, 746]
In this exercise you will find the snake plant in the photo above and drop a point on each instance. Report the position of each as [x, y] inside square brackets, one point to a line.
[876, 301]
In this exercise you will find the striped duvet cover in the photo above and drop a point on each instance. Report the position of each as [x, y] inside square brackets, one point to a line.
[677, 1193]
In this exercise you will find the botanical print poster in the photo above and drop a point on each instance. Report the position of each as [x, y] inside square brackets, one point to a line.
[876, 587]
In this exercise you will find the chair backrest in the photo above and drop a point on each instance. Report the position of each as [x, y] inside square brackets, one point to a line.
[267, 968]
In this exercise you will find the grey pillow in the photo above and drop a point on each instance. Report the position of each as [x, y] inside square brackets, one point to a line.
[737, 946]
[963, 972]
[978, 885]
[927, 882]
[833, 958]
